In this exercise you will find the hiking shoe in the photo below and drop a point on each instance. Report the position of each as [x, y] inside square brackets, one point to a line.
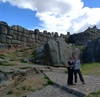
[83, 83]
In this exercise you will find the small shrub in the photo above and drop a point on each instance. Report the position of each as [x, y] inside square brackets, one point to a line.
[24, 96]
[66, 71]
[49, 82]
[24, 88]
[29, 88]
[22, 60]
[2, 56]
[6, 64]
[9, 92]
[25, 67]
[94, 94]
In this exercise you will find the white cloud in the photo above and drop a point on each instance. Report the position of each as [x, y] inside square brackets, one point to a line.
[61, 15]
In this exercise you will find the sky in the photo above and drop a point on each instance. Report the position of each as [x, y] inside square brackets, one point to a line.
[60, 16]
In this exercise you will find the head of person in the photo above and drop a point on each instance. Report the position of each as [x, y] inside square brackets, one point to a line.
[75, 57]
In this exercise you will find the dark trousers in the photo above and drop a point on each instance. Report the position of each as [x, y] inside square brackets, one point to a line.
[70, 77]
[80, 75]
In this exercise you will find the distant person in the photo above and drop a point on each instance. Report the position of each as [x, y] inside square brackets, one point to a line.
[77, 70]
[70, 72]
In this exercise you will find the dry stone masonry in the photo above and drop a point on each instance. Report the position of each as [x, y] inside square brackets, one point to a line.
[14, 36]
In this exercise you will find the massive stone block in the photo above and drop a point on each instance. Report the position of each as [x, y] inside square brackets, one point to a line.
[10, 32]
[26, 31]
[14, 27]
[9, 37]
[33, 36]
[9, 41]
[57, 53]
[19, 28]
[20, 33]
[36, 32]
[3, 29]
[25, 35]
[65, 51]
[88, 55]
[15, 32]
[15, 36]
[3, 38]
[16, 42]
[92, 51]
[23, 39]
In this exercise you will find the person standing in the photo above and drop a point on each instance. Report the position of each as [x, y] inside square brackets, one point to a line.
[70, 72]
[77, 70]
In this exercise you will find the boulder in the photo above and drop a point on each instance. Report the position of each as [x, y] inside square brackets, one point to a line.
[57, 53]
[92, 51]
[76, 52]
[38, 53]
[3, 76]
[38, 50]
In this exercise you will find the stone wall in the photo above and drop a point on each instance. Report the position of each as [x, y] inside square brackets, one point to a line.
[14, 36]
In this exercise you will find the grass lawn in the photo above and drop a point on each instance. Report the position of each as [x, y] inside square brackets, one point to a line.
[94, 94]
[91, 69]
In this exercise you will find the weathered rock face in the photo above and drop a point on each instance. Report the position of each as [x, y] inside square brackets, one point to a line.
[3, 76]
[85, 37]
[92, 51]
[76, 52]
[38, 55]
[57, 53]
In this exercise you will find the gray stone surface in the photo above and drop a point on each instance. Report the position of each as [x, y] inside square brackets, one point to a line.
[10, 32]
[92, 82]
[57, 53]
[65, 51]
[51, 91]
[16, 42]
[3, 29]
[92, 51]
[76, 52]
[18, 33]
[3, 38]
[3, 77]
[51, 53]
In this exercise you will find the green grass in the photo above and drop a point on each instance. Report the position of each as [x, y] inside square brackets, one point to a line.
[2, 56]
[19, 55]
[91, 69]
[9, 92]
[25, 67]
[6, 64]
[94, 94]
[49, 81]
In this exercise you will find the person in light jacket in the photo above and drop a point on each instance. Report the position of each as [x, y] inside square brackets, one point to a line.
[77, 70]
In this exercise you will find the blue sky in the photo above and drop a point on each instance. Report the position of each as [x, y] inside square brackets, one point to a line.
[17, 16]
[60, 16]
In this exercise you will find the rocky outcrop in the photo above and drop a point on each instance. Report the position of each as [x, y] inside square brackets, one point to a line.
[76, 52]
[92, 51]
[83, 38]
[38, 55]
[57, 53]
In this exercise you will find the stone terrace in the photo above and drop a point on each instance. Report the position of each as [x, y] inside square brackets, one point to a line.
[60, 80]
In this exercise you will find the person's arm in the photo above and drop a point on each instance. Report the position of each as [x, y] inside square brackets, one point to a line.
[79, 64]
[68, 64]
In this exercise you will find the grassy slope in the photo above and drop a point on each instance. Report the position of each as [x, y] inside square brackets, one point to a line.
[91, 69]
